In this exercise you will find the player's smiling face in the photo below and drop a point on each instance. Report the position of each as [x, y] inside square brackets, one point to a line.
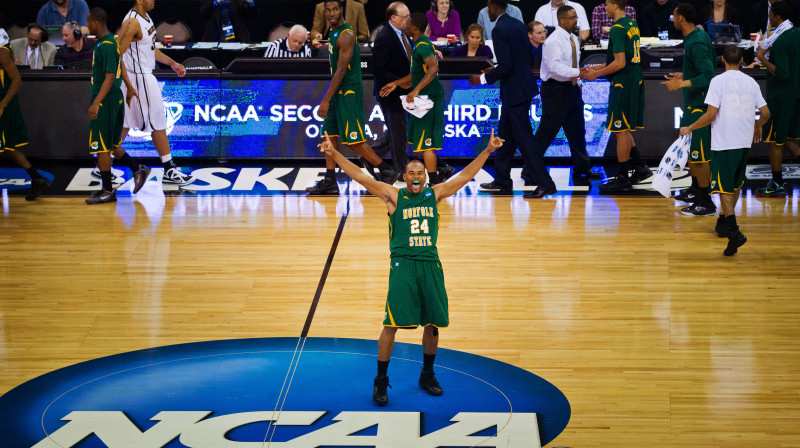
[415, 176]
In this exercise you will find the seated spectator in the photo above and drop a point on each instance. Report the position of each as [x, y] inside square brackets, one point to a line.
[475, 46]
[34, 50]
[293, 46]
[657, 16]
[353, 14]
[59, 12]
[77, 52]
[601, 23]
[720, 12]
[537, 35]
[443, 20]
[547, 15]
[488, 25]
[225, 20]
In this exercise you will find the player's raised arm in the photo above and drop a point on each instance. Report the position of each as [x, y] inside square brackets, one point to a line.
[449, 188]
[381, 190]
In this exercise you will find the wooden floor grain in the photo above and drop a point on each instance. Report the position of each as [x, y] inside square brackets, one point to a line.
[625, 305]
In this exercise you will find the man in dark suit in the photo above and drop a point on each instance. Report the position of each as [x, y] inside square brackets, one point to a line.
[517, 89]
[391, 60]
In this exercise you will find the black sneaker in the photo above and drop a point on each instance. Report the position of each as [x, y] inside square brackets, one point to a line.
[688, 196]
[390, 176]
[446, 172]
[722, 227]
[140, 177]
[370, 167]
[494, 187]
[434, 178]
[735, 241]
[325, 186]
[37, 185]
[102, 197]
[618, 185]
[640, 174]
[427, 381]
[379, 395]
[700, 209]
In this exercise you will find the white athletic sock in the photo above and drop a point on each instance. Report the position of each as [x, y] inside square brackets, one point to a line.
[166, 158]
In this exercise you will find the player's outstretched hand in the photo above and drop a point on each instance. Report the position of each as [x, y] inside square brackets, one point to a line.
[673, 81]
[494, 142]
[388, 88]
[327, 146]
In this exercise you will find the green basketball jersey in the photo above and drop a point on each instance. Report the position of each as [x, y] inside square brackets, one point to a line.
[5, 82]
[624, 37]
[414, 226]
[698, 67]
[353, 75]
[785, 54]
[105, 60]
[423, 48]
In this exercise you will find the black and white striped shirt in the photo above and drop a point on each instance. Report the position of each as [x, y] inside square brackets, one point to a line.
[279, 49]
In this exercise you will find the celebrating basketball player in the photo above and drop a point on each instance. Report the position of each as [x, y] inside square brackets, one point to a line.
[417, 295]
[343, 104]
[139, 53]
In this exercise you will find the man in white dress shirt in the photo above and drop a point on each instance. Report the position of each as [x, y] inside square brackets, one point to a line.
[562, 101]
[548, 15]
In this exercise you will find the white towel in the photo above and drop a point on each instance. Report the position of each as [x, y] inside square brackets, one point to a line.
[3, 37]
[768, 41]
[676, 156]
[421, 105]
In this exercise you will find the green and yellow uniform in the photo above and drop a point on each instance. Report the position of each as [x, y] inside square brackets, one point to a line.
[105, 132]
[698, 67]
[13, 132]
[783, 91]
[417, 295]
[345, 117]
[426, 133]
[626, 97]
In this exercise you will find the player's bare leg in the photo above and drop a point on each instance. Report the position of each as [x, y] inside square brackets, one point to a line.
[429, 159]
[381, 382]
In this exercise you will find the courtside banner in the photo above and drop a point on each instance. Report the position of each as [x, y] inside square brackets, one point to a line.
[281, 393]
[279, 118]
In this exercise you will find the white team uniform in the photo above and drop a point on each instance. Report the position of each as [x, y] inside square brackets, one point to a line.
[146, 113]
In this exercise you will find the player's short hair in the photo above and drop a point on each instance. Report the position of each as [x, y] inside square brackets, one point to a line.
[620, 3]
[419, 20]
[732, 54]
[502, 4]
[563, 10]
[325, 2]
[687, 11]
[98, 14]
[781, 9]
[410, 161]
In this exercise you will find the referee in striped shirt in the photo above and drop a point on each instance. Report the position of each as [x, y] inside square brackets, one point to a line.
[293, 46]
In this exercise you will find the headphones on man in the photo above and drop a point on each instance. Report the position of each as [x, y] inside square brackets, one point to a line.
[36, 26]
[76, 30]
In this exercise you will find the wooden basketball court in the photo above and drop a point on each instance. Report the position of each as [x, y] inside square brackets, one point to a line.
[625, 305]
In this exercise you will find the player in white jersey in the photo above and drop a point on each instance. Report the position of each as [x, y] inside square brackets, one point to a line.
[137, 45]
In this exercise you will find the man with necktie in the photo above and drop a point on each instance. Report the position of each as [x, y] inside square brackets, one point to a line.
[562, 100]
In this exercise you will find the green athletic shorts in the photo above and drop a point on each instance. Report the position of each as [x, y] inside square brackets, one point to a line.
[783, 121]
[626, 101]
[427, 133]
[701, 138]
[105, 131]
[416, 294]
[346, 115]
[728, 170]
[13, 132]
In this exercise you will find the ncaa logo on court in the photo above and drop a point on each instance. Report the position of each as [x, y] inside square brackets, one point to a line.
[281, 393]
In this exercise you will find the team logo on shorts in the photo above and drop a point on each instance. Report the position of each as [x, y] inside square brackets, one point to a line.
[617, 124]
[95, 145]
[353, 135]
[713, 183]
[695, 154]
[428, 142]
